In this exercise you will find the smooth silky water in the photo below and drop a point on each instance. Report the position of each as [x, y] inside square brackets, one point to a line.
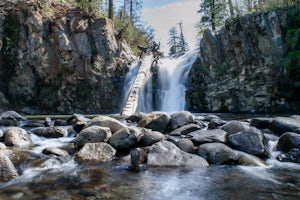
[64, 178]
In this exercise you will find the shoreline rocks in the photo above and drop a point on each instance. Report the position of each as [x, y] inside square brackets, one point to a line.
[181, 142]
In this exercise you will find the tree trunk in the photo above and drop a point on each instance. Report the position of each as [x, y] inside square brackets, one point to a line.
[213, 17]
[131, 10]
[231, 10]
[111, 9]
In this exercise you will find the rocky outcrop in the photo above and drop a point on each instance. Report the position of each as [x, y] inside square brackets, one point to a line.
[56, 59]
[251, 64]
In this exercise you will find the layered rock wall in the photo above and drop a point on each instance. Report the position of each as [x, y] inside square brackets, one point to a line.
[251, 65]
[56, 59]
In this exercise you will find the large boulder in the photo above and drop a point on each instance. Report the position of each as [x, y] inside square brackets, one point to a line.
[50, 132]
[125, 138]
[180, 119]
[92, 134]
[7, 168]
[98, 152]
[55, 151]
[207, 136]
[136, 117]
[150, 137]
[184, 130]
[167, 154]
[250, 141]
[12, 115]
[157, 121]
[288, 141]
[261, 122]
[233, 127]
[281, 125]
[217, 153]
[17, 137]
[138, 158]
[105, 121]
[185, 145]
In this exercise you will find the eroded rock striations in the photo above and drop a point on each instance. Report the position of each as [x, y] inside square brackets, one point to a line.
[251, 64]
[56, 59]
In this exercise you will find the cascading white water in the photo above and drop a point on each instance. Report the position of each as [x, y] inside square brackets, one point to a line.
[129, 79]
[169, 95]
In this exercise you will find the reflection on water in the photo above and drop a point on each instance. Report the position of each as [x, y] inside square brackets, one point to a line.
[95, 181]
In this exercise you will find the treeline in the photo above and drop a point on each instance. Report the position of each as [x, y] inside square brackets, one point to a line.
[126, 15]
[215, 12]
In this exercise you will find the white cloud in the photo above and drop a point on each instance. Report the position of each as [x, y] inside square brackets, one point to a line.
[164, 17]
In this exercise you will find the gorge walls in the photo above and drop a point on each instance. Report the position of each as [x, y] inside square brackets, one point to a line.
[251, 65]
[56, 59]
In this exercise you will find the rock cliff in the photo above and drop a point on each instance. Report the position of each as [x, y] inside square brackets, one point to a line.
[251, 65]
[57, 59]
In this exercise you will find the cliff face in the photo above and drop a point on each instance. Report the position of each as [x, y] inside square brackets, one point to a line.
[252, 64]
[56, 59]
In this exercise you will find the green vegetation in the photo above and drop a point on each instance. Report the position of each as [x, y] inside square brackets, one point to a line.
[177, 43]
[126, 20]
[10, 39]
[215, 12]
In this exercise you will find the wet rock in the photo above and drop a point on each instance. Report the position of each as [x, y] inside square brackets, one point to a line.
[250, 141]
[1, 136]
[261, 122]
[12, 115]
[55, 151]
[210, 117]
[150, 137]
[167, 154]
[50, 132]
[2, 146]
[250, 160]
[291, 156]
[217, 153]
[157, 121]
[48, 122]
[215, 123]
[77, 118]
[233, 127]
[138, 158]
[98, 152]
[7, 168]
[281, 125]
[186, 145]
[92, 134]
[184, 130]
[33, 123]
[125, 138]
[136, 117]
[78, 122]
[207, 136]
[288, 141]
[105, 121]
[17, 137]
[180, 119]
[221, 154]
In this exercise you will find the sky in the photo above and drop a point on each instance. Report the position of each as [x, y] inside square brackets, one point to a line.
[163, 14]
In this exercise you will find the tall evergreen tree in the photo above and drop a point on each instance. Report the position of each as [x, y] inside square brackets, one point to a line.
[213, 13]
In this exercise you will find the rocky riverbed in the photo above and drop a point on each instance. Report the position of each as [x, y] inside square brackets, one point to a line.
[144, 141]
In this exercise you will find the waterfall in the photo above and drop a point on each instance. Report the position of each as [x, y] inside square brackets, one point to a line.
[129, 79]
[167, 92]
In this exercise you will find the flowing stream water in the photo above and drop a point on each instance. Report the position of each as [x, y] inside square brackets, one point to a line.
[50, 177]
[167, 91]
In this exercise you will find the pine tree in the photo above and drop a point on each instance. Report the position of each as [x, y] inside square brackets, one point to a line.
[213, 13]
[176, 42]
